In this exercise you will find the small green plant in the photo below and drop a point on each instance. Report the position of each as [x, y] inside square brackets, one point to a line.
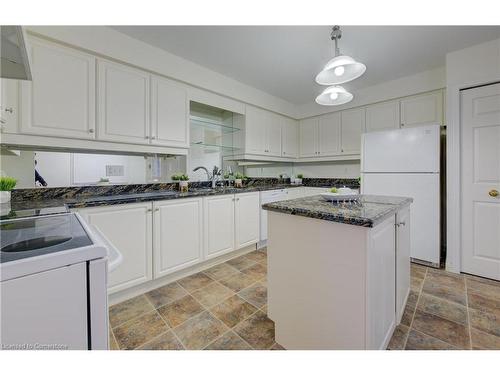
[7, 183]
[180, 177]
[300, 175]
[333, 190]
[239, 176]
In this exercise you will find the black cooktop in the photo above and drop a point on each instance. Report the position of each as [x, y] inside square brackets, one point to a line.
[35, 236]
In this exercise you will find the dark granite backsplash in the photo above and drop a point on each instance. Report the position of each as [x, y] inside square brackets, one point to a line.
[352, 183]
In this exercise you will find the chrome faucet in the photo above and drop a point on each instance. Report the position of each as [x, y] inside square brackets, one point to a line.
[212, 178]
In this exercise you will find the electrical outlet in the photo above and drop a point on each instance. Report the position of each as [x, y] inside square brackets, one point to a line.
[115, 170]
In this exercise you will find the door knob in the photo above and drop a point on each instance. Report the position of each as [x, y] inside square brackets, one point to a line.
[493, 193]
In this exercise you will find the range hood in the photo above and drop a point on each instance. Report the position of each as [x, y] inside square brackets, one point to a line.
[15, 62]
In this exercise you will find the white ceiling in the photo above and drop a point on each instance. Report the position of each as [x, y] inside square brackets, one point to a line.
[284, 60]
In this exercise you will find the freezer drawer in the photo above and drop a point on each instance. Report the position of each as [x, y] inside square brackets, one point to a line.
[424, 212]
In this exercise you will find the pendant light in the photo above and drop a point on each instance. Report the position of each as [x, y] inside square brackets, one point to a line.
[341, 68]
[334, 95]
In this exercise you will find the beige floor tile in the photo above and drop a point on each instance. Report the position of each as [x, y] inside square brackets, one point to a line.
[407, 317]
[486, 288]
[479, 302]
[166, 294]
[264, 309]
[212, 294]
[485, 321]
[181, 310]
[420, 341]
[257, 256]
[233, 310]
[412, 298]
[129, 309]
[241, 262]
[256, 294]
[443, 308]
[398, 339]
[220, 271]
[113, 345]
[483, 340]
[417, 271]
[257, 271]
[229, 341]
[257, 330]
[166, 341]
[237, 282]
[277, 346]
[196, 281]
[416, 283]
[445, 287]
[450, 332]
[135, 333]
[198, 332]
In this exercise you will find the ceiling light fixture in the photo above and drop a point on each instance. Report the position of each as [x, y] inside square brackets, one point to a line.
[334, 95]
[341, 68]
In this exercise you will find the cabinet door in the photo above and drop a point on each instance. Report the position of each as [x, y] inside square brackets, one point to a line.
[169, 113]
[382, 116]
[425, 109]
[178, 241]
[129, 228]
[289, 138]
[60, 101]
[402, 260]
[255, 131]
[273, 134]
[218, 212]
[123, 97]
[353, 125]
[9, 105]
[247, 219]
[329, 134]
[308, 137]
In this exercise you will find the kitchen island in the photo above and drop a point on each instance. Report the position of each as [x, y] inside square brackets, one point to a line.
[338, 273]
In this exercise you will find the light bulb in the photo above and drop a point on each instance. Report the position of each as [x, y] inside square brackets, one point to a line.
[334, 96]
[339, 70]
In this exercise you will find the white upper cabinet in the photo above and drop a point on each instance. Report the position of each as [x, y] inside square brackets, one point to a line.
[289, 137]
[169, 113]
[329, 134]
[353, 125]
[218, 212]
[60, 101]
[123, 103]
[247, 219]
[308, 137]
[273, 134]
[425, 109]
[255, 130]
[9, 105]
[382, 116]
[178, 234]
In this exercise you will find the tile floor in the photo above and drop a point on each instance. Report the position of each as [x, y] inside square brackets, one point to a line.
[225, 307]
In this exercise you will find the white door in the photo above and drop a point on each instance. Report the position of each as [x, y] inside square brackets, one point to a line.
[46, 308]
[425, 109]
[247, 219]
[129, 228]
[480, 121]
[9, 105]
[329, 135]
[178, 240]
[273, 134]
[169, 113]
[218, 212]
[403, 244]
[123, 109]
[60, 101]
[255, 131]
[382, 116]
[353, 125]
[289, 137]
[308, 137]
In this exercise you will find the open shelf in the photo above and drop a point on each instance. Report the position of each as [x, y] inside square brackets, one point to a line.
[212, 125]
[214, 146]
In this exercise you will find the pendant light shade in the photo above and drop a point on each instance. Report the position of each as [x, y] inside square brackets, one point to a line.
[339, 70]
[334, 95]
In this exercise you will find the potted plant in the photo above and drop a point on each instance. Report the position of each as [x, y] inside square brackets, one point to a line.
[298, 179]
[238, 179]
[6, 185]
[183, 181]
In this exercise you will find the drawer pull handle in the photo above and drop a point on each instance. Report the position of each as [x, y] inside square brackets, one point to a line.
[493, 193]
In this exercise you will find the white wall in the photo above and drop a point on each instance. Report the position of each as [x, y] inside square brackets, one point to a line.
[476, 65]
[20, 167]
[345, 169]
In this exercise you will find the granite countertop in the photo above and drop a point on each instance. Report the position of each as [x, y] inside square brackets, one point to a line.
[40, 207]
[369, 211]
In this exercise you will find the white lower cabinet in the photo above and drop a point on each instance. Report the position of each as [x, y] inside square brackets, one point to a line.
[403, 246]
[247, 219]
[129, 228]
[218, 225]
[178, 235]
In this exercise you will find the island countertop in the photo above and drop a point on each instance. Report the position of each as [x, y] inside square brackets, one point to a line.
[368, 211]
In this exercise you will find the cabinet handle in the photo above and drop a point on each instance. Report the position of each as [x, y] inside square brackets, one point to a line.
[402, 125]
[237, 199]
[10, 110]
[402, 224]
[157, 209]
[91, 130]
[493, 193]
[2, 121]
[153, 137]
[146, 137]
[149, 210]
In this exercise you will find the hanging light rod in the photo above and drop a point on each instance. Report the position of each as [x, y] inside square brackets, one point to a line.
[341, 68]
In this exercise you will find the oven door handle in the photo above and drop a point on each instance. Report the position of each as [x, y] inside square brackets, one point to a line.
[115, 257]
